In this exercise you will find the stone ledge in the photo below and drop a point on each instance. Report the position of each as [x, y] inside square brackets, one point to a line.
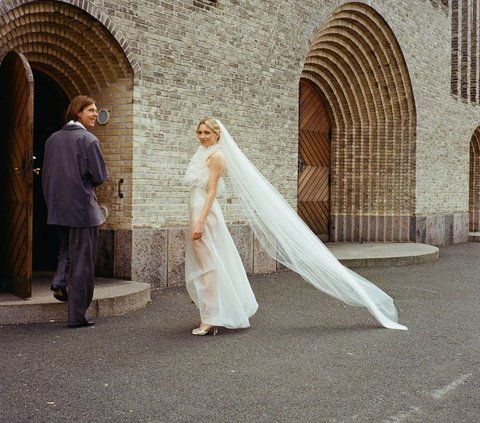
[111, 298]
[474, 236]
[378, 254]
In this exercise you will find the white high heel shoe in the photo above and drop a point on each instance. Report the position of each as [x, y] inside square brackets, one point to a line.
[201, 332]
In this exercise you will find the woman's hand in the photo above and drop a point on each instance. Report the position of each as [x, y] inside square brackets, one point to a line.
[197, 231]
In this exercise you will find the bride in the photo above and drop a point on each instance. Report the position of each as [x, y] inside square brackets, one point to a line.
[215, 277]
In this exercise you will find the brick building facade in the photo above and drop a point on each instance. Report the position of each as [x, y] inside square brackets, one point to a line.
[364, 114]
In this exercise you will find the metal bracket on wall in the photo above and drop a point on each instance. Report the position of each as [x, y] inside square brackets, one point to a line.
[120, 182]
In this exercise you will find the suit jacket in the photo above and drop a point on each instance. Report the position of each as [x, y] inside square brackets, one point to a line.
[73, 165]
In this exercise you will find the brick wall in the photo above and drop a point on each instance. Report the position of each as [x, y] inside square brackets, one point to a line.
[178, 60]
[241, 61]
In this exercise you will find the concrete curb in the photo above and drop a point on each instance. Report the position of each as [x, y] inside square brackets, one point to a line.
[375, 254]
[474, 237]
[112, 298]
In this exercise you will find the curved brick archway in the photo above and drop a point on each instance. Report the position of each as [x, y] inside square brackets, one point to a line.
[25, 7]
[474, 183]
[79, 48]
[73, 46]
[357, 64]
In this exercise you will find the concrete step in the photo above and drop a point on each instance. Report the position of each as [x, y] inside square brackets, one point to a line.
[474, 236]
[111, 298]
[382, 254]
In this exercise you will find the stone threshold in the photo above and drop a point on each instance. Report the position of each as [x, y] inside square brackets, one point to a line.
[474, 236]
[112, 297]
[382, 254]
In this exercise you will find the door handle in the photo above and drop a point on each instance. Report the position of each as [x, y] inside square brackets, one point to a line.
[35, 170]
[301, 165]
[28, 158]
[22, 169]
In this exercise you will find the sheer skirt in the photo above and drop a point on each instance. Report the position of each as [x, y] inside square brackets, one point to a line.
[215, 277]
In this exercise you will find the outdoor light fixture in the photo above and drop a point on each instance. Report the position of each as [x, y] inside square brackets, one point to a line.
[103, 116]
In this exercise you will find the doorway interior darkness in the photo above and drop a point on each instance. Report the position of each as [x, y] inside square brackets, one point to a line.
[50, 105]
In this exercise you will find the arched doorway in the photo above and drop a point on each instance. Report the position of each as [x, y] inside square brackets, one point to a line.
[356, 63]
[50, 104]
[33, 107]
[314, 161]
[474, 183]
[73, 49]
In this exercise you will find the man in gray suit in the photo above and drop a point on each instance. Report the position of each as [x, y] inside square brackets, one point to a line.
[73, 166]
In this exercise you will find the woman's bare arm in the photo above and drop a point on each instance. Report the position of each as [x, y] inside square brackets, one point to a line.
[216, 165]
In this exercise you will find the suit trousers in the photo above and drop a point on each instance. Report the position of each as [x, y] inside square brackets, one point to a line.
[76, 269]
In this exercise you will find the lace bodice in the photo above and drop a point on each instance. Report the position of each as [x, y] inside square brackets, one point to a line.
[197, 173]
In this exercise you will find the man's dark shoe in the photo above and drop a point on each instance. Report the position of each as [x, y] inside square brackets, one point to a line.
[59, 293]
[82, 325]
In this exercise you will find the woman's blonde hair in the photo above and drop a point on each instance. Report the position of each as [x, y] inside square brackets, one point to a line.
[211, 123]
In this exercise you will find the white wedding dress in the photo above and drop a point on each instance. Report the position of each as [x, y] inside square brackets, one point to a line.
[214, 273]
[215, 276]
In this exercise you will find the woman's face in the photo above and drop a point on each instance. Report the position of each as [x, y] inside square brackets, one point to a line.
[206, 136]
[88, 116]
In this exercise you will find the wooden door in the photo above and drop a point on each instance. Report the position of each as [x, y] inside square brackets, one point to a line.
[474, 183]
[16, 162]
[314, 161]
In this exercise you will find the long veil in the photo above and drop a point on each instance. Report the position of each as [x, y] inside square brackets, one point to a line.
[288, 239]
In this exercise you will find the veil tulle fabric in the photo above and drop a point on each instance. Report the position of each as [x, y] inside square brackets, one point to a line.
[288, 239]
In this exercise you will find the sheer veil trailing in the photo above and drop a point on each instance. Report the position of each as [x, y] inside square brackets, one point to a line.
[288, 240]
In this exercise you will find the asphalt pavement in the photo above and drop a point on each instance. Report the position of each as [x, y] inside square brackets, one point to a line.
[306, 357]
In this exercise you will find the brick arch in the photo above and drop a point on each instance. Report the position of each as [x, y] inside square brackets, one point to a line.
[357, 63]
[79, 47]
[474, 183]
[72, 41]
